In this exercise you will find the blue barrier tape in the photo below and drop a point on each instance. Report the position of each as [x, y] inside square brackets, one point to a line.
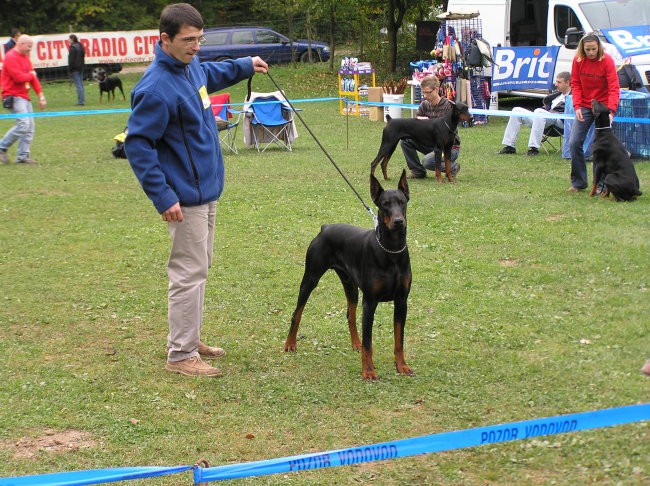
[506, 113]
[41, 114]
[94, 476]
[431, 443]
[128, 110]
[312, 100]
[445, 441]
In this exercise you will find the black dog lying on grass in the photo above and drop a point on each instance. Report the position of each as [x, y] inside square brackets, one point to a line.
[375, 261]
[108, 85]
[612, 160]
[435, 131]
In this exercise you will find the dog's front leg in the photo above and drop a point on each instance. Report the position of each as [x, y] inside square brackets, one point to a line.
[399, 321]
[438, 173]
[367, 366]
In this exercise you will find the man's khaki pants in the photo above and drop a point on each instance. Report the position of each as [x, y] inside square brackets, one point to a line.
[190, 257]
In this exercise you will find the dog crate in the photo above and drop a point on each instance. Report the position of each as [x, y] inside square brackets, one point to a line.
[635, 136]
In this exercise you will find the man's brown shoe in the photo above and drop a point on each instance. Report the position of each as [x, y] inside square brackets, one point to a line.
[193, 366]
[210, 351]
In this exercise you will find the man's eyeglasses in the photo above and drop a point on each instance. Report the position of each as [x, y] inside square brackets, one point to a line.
[190, 41]
[427, 93]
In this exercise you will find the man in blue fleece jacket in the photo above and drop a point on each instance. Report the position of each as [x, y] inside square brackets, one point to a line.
[173, 148]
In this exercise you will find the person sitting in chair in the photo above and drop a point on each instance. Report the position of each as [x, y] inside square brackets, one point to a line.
[553, 103]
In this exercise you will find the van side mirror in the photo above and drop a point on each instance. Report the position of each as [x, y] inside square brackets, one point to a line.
[572, 37]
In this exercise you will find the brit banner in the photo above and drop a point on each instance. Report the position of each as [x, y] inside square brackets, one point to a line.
[518, 68]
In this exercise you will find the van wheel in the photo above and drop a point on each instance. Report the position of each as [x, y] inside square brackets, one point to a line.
[96, 71]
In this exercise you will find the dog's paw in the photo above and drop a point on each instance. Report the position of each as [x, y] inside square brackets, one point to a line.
[290, 346]
[369, 375]
[404, 369]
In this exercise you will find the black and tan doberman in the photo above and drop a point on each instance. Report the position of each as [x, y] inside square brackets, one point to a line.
[612, 161]
[375, 261]
[439, 132]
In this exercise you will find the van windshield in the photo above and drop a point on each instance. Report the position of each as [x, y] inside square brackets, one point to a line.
[617, 13]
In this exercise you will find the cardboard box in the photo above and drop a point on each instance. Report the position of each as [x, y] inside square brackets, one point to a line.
[376, 113]
[375, 94]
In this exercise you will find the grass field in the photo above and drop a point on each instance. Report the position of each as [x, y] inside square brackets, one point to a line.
[526, 302]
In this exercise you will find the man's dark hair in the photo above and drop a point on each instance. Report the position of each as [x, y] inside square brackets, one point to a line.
[74, 38]
[174, 16]
[15, 32]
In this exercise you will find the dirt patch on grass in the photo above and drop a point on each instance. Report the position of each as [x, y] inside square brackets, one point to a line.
[509, 262]
[51, 441]
[555, 217]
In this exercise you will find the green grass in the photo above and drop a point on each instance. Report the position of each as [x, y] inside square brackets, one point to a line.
[527, 302]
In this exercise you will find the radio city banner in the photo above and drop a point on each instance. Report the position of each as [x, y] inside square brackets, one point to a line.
[101, 47]
[630, 41]
[524, 67]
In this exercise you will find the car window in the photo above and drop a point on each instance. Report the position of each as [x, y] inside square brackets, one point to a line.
[216, 38]
[268, 37]
[242, 37]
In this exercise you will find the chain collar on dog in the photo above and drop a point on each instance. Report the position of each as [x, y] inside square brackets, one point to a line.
[376, 220]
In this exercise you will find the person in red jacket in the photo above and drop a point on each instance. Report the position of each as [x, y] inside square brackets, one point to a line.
[593, 77]
[16, 79]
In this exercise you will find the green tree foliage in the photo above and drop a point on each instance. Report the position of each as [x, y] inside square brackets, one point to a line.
[380, 31]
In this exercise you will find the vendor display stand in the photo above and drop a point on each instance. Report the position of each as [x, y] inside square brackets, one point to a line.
[458, 80]
[352, 88]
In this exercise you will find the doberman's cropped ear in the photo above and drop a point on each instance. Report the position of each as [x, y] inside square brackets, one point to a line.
[403, 185]
[375, 190]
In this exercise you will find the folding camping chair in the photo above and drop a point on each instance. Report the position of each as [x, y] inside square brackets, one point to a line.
[550, 132]
[268, 120]
[226, 124]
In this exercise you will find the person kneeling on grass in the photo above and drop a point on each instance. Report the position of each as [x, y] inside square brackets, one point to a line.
[553, 103]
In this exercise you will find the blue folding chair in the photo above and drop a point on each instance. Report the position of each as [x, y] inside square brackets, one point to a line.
[270, 121]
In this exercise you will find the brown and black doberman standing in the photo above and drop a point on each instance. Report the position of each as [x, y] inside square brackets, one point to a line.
[440, 132]
[375, 261]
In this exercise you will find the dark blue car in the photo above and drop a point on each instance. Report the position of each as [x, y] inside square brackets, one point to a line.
[233, 42]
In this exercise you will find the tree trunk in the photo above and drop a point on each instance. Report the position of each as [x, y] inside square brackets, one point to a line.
[395, 16]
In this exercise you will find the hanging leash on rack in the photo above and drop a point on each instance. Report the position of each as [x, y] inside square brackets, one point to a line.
[368, 208]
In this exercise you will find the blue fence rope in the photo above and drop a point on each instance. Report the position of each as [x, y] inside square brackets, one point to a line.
[427, 444]
[473, 111]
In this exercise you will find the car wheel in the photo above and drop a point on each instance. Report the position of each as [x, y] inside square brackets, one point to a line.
[96, 71]
[304, 57]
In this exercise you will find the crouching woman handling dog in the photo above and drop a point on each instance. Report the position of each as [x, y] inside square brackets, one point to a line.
[432, 106]
[375, 261]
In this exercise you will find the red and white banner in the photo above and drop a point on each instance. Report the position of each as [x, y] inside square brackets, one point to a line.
[101, 47]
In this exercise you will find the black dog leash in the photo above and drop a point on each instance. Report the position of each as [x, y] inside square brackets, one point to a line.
[368, 208]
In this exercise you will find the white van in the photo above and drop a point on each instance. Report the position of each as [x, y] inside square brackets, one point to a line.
[545, 23]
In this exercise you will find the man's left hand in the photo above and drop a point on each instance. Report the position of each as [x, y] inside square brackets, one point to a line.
[259, 65]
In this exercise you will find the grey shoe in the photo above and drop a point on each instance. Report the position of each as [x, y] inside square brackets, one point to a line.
[27, 161]
[3, 157]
